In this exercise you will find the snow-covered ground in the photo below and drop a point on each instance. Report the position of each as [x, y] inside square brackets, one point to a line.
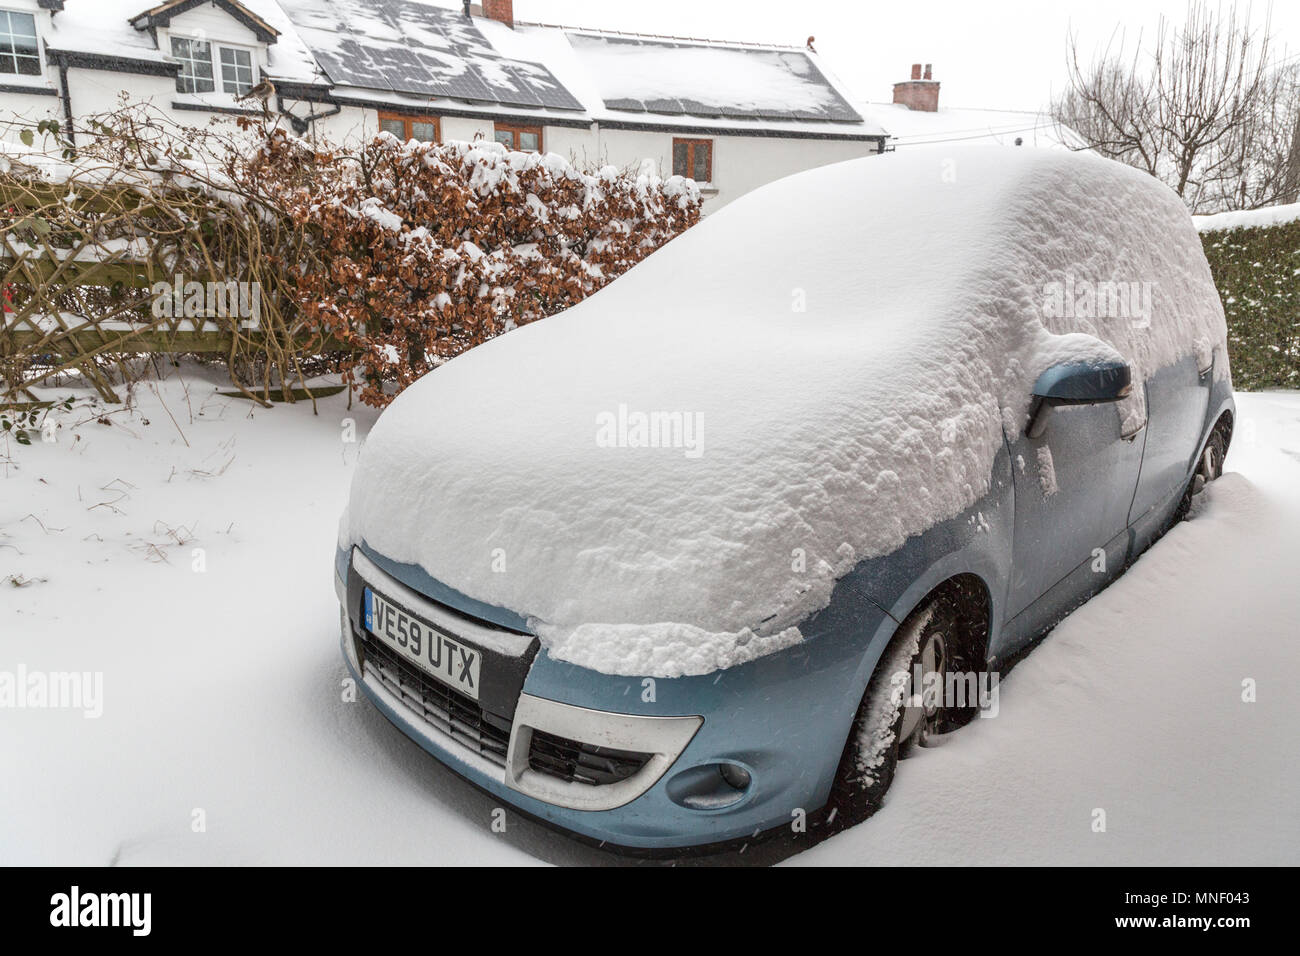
[188, 561]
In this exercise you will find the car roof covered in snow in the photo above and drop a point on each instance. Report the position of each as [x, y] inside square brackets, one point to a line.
[845, 344]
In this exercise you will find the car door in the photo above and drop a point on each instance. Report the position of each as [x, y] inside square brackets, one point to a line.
[1073, 487]
[1178, 399]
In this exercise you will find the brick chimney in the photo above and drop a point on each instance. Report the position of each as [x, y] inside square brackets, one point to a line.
[502, 10]
[920, 92]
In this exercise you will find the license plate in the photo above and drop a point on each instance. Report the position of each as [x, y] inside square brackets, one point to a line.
[441, 656]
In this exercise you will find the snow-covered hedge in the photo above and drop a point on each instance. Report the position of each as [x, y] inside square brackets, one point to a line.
[432, 249]
[1255, 258]
[405, 254]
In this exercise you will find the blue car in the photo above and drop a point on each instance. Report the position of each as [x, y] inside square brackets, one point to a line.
[1007, 380]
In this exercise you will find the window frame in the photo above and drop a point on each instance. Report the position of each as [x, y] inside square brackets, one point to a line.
[406, 119]
[516, 129]
[218, 72]
[690, 143]
[181, 75]
[220, 65]
[17, 76]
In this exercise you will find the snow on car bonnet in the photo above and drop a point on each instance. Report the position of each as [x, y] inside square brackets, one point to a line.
[668, 478]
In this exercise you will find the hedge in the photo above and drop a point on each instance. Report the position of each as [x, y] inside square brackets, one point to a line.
[1257, 272]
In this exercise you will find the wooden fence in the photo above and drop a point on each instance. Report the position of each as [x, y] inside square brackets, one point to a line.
[74, 300]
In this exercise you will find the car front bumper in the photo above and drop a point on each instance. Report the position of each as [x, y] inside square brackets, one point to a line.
[780, 721]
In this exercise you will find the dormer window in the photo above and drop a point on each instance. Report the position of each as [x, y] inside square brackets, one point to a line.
[201, 59]
[19, 52]
[196, 65]
[236, 70]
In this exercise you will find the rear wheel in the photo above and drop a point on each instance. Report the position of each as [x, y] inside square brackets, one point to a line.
[1208, 468]
[904, 705]
[1216, 449]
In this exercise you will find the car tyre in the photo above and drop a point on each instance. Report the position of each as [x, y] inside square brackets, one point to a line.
[892, 719]
[1208, 468]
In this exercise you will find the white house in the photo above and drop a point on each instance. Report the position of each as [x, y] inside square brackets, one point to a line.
[732, 116]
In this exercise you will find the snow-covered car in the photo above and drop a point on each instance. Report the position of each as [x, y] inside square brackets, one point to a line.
[682, 563]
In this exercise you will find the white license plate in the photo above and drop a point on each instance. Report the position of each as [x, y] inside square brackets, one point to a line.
[441, 656]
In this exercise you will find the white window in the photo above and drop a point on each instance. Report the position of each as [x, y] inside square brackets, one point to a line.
[19, 52]
[196, 65]
[236, 70]
[200, 61]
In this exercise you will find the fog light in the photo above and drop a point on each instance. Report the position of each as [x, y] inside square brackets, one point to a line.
[710, 786]
[735, 775]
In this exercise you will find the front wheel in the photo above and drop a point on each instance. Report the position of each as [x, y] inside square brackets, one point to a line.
[905, 704]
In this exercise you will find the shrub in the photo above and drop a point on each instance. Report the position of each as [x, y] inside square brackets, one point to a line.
[386, 259]
[1257, 272]
[431, 249]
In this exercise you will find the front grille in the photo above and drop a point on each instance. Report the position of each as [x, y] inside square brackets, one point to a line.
[462, 719]
[572, 760]
[450, 711]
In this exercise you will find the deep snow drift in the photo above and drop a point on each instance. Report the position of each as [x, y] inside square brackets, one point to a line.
[223, 688]
[668, 477]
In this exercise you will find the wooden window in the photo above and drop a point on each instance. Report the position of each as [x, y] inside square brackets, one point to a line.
[196, 65]
[204, 64]
[237, 76]
[19, 51]
[693, 158]
[422, 128]
[527, 139]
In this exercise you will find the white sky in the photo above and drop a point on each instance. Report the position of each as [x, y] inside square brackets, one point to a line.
[994, 54]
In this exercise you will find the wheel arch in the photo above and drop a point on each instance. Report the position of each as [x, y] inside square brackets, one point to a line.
[974, 599]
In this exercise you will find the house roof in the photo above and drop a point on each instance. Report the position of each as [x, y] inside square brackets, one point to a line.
[106, 30]
[640, 81]
[421, 54]
[406, 47]
[640, 75]
[162, 15]
[976, 127]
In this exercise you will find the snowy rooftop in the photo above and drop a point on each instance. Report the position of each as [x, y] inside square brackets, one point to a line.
[427, 53]
[403, 46]
[104, 27]
[657, 76]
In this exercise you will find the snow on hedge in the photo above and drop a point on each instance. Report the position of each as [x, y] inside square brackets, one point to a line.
[1248, 218]
[832, 358]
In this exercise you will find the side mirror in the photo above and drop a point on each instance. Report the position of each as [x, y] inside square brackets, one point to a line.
[1078, 383]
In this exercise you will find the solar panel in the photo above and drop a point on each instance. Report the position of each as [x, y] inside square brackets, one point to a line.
[696, 108]
[544, 84]
[634, 106]
[664, 105]
[410, 47]
[404, 73]
[789, 81]
[350, 63]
